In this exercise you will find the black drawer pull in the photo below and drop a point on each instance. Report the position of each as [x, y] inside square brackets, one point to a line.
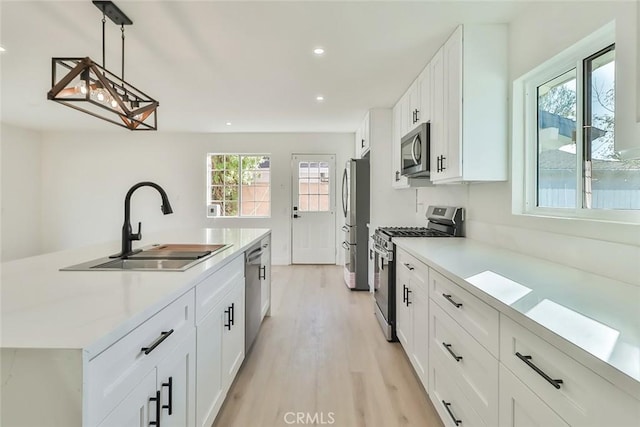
[228, 313]
[163, 336]
[169, 406]
[408, 292]
[404, 293]
[232, 317]
[409, 266]
[262, 273]
[157, 400]
[453, 417]
[455, 356]
[448, 297]
[527, 360]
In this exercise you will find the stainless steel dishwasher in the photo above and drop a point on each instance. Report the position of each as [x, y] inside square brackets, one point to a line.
[252, 295]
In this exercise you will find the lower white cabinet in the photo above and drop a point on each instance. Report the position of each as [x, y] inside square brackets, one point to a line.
[220, 352]
[166, 394]
[412, 312]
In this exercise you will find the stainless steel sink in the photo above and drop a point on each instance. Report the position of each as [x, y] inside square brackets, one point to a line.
[153, 258]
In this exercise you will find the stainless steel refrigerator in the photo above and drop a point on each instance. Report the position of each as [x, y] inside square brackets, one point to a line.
[355, 207]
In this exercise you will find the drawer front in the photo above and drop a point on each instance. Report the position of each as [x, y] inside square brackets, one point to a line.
[520, 407]
[581, 397]
[478, 318]
[120, 368]
[418, 272]
[448, 399]
[211, 289]
[476, 368]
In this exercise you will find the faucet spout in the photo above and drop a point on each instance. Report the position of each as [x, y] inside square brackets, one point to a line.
[127, 233]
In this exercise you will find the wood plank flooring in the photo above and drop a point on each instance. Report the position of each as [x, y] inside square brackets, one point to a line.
[322, 353]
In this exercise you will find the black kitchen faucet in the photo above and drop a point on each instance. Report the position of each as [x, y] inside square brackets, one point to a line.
[127, 235]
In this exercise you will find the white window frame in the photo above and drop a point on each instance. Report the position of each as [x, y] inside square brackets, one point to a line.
[525, 128]
[208, 186]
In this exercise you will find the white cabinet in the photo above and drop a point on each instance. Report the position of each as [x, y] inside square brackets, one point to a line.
[576, 394]
[220, 350]
[363, 138]
[265, 277]
[398, 130]
[520, 407]
[136, 410]
[412, 311]
[469, 140]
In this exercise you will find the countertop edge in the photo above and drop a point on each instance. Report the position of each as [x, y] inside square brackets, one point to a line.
[608, 372]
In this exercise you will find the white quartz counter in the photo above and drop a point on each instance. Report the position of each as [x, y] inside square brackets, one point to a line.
[42, 307]
[593, 319]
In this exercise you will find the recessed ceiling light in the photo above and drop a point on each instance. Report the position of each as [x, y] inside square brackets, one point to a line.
[228, 123]
[320, 98]
[2, 49]
[318, 51]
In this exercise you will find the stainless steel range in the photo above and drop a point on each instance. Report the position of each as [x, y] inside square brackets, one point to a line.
[442, 221]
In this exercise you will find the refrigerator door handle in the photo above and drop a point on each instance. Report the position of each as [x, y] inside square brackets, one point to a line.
[344, 193]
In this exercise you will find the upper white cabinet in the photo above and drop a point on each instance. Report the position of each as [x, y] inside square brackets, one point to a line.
[363, 135]
[469, 119]
[399, 128]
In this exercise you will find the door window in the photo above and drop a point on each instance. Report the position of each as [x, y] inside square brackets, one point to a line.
[313, 187]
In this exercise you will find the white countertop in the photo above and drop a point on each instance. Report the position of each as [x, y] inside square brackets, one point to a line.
[42, 307]
[592, 318]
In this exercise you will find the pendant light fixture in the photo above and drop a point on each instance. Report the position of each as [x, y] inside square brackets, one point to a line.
[91, 88]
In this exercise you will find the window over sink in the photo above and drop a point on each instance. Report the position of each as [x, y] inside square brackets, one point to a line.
[238, 185]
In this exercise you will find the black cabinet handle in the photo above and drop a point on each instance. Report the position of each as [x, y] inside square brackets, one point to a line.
[169, 405]
[397, 176]
[163, 336]
[455, 356]
[157, 400]
[448, 297]
[453, 417]
[362, 144]
[409, 266]
[228, 324]
[442, 168]
[408, 292]
[262, 273]
[527, 360]
[404, 293]
[417, 115]
[232, 316]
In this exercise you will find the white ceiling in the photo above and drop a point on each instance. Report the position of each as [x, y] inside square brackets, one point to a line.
[248, 63]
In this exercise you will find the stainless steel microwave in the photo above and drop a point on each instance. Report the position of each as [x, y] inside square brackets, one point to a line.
[414, 153]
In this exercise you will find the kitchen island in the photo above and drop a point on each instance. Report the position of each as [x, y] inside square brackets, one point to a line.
[76, 344]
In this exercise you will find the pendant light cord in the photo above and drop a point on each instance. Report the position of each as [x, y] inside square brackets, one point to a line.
[122, 29]
[103, 44]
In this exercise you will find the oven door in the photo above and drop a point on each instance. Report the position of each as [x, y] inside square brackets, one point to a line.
[384, 291]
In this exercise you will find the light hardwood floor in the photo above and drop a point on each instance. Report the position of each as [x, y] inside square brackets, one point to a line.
[322, 352]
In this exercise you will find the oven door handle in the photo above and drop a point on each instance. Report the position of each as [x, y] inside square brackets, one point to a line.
[384, 254]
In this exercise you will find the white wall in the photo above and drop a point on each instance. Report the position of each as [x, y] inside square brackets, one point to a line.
[608, 249]
[85, 177]
[20, 199]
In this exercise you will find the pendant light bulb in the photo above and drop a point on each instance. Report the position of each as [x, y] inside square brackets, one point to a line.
[81, 87]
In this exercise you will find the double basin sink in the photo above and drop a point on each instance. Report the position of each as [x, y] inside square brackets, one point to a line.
[168, 257]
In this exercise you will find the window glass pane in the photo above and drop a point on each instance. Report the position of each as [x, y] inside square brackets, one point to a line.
[313, 186]
[217, 162]
[303, 202]
[217, 192]
[610, 182]
[313, 202]
[557, 162]
[230, 208]
[263, 209]
[217, 177]
[248, 193]
[324, 203]
[248, 208]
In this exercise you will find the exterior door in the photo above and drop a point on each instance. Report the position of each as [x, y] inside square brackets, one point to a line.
[313, 223]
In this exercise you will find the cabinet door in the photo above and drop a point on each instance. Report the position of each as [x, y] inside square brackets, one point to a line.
[413, 110]
[424, 95]
[233, 335]
[209, 384]
[437, 114]
[176, 382]
[420, 320]
[403, 315]
[452, 160]
[365, 143]
[520, 407]
[136, 410]
[265, 281]
[397, 180]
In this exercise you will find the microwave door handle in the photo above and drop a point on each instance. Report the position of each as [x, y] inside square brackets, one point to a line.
[416, 139]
